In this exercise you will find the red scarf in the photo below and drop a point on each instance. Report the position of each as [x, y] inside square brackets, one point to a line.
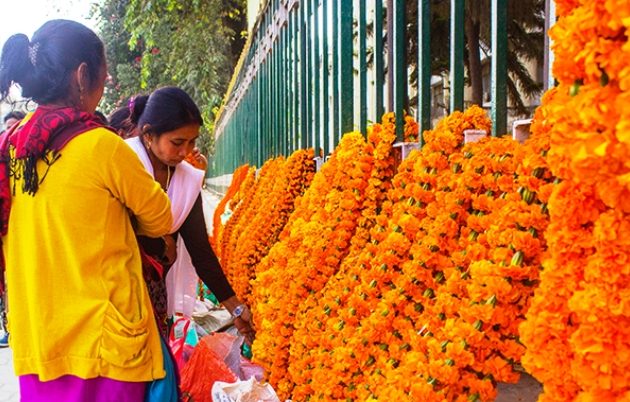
[48, 130]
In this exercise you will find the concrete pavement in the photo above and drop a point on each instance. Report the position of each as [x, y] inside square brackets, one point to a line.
[9, 390]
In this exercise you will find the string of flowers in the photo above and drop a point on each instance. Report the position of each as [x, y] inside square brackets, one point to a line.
[337, 362]
[251, 207]
[577, 328]
[238, 177]
[458, 335]
[311, 252]
[310, 317]
[239, 205]
[275, 203]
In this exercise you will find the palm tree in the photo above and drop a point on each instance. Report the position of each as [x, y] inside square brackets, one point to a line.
[525, 42]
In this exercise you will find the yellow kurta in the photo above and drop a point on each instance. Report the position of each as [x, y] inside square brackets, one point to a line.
[78, 301]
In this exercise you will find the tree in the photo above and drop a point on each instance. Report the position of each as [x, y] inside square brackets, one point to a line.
[525, 42]
[192, 44]
[123, 62]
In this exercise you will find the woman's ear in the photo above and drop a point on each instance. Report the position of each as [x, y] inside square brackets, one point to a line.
[83, 77]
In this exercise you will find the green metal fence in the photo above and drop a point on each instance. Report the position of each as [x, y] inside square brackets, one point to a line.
[303, 78]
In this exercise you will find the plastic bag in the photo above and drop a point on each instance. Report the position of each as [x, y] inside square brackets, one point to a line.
[200, 373]
[181, 283]
[250, 370]
[182, 345]
[228, 348]
[217, 357]
[243, 391]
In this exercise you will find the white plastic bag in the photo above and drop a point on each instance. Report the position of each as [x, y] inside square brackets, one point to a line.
[243, 391]
[181, 283]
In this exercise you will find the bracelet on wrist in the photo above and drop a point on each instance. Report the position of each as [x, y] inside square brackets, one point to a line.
[238, 310]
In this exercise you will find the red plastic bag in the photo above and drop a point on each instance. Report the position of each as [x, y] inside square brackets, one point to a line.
[180, 349]
[200, 373]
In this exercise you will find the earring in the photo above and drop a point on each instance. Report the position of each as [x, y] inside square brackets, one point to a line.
[81, 96]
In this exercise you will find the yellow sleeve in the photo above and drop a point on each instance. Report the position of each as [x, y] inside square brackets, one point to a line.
[134, 186]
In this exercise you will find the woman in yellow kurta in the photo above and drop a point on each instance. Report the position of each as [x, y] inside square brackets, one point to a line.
[81, 321]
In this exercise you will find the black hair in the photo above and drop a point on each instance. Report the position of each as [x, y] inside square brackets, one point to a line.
[101, 117]
[43, 65]
[120, 120]
[16, 114]
[166, 109]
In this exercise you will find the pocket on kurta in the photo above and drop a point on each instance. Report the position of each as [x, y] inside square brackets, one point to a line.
[125, 343]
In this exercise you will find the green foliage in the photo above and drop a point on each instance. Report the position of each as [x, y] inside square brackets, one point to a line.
[123, 62]
[193, 44]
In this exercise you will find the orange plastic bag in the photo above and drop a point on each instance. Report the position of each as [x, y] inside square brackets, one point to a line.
[200, 373]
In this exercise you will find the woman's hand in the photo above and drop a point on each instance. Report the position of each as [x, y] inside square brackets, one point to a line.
[197, 159]
[170, 250]
[245, 328]
[242, 320]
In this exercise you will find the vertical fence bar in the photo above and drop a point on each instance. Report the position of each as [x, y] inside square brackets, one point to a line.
[276, 45]
[346, 68]
[550, 19]
[281, 83]
[326, 75]
[287, 77]
[390, 55]
[265, 97]
[499, 67]
[269, 109]
[316, 79]
[273, 89]
[290, 99]
[379, 68]
[308, 79]
[400, 67]
[424, 68]
[263, 91]
[259, 100]
[457, 55]
[264, 111]
[296, 85]
[303, 110]
[335, 88]
[363, 107]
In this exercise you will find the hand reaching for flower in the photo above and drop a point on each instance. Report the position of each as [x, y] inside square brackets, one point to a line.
[197, 159]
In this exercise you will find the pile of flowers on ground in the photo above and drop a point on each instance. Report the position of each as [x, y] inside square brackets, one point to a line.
[577, 331]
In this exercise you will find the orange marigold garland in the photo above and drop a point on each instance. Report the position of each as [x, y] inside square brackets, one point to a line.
[311, 252]
[318, 238]
[239, 205]
[275, 203]
[577, 331]
[337, 366]
[217, 227]
[314, 309]
[251, 208]
[458, 334]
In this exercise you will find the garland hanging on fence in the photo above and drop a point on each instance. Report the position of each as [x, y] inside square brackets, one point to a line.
[577, 331]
